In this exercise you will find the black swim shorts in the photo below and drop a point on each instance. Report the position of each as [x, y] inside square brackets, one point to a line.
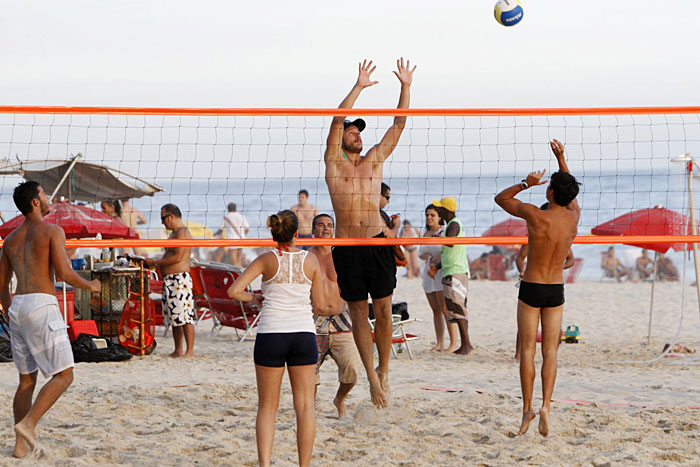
[541, 295]
[293, 348]
[364, 270]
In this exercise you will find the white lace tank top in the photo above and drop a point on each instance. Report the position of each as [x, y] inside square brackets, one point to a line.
[287, 304]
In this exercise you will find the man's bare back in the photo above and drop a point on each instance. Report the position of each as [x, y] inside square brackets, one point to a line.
[34, 250]
[541, 295]
[550, 234]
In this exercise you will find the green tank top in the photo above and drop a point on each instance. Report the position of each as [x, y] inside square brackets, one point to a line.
[454, 259]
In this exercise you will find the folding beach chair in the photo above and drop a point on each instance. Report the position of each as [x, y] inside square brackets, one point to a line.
[216, 278]
[572, 273]
[399, 337]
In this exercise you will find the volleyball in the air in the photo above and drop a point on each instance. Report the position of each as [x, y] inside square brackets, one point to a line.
[508, 12]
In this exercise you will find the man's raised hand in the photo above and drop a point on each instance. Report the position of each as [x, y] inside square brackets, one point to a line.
[404, 73]
[557, 148]
[534, 178]
[366, 69]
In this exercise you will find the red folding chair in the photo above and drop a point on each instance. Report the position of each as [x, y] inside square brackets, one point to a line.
[216, 278]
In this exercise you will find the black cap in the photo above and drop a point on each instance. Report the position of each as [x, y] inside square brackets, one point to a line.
[359, 123]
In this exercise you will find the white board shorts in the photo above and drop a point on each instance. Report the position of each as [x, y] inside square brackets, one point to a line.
[38, 335]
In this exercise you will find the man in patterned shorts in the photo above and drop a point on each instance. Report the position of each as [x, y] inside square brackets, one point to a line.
[178, 300]
[334, 333]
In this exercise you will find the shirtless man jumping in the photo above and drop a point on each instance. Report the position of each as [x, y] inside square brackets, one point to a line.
[550, 234]
[354, 183]
[37, 330]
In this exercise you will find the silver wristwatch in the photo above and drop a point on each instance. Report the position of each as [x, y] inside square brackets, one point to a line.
[524, 185]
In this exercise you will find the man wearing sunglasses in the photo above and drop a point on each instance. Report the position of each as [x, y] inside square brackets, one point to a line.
[178, 299]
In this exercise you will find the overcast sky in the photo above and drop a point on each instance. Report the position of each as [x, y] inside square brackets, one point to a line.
[304, 54]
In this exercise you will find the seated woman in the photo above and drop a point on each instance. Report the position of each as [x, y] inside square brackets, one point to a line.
[479, 268]
[291, 286]
[666, 270]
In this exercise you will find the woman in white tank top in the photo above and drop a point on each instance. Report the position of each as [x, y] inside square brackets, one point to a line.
[292, 292]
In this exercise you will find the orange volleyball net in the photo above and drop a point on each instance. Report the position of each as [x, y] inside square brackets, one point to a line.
[259, 159]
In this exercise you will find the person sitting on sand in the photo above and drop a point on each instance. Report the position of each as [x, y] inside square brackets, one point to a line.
[479, 268]
[644, 265]
[666, 271]
[613, 267]
[541, 295]
[292, 283]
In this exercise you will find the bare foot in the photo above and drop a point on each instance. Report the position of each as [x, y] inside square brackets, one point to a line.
[175, 354]
[187, 355]
[378, 396]
[464, 350]
[340, 406]
[25, 440]
[383, 381]
[544, 422]
[525, 424]
[437, 348]
[450, 349]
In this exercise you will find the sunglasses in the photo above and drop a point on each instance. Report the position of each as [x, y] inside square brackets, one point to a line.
[387, 197]
[162, 218]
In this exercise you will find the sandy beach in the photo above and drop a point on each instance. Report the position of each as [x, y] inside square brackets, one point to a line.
[445, 409]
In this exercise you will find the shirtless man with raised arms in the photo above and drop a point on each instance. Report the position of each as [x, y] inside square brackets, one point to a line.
[37, 330]
[550, 235]
[354, 183]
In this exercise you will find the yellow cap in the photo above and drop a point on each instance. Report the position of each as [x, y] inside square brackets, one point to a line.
[447, 202]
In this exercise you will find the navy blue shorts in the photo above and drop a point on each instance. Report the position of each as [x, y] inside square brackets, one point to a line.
[293, 348]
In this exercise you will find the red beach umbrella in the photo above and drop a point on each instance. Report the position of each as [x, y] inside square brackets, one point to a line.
[652, 221]
[77, 221]
[508, 228]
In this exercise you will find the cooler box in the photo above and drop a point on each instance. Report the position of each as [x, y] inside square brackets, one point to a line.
[82, 326]
[70, 304]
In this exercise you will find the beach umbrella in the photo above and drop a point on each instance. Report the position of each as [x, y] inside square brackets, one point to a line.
[77, 180]
[77, 221]
[198, 230]
[651, 221]
[508, 228]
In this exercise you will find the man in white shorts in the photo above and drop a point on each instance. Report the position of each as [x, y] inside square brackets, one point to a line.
[38, 333]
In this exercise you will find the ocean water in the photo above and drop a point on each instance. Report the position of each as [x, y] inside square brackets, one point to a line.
[603, 196]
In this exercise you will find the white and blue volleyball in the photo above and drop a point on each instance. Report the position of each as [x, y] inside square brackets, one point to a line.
[508, 12]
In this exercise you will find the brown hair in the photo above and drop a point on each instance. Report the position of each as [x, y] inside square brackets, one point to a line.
[283, 226]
